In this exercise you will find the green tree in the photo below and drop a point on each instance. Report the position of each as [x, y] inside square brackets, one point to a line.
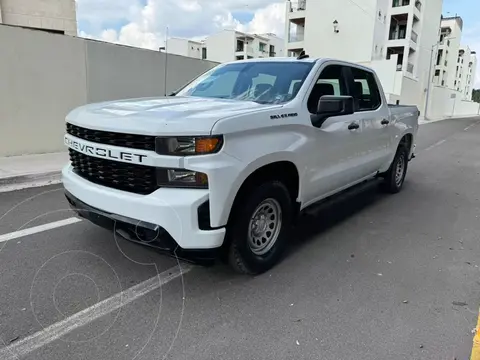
[476, 95]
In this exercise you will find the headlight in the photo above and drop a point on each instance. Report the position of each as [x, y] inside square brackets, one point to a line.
[182, 178]
[188, 146]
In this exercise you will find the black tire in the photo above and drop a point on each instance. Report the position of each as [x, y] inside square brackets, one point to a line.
[242, 258]
[393, 182]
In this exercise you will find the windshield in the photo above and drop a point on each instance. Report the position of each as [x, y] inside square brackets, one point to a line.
[264, 82]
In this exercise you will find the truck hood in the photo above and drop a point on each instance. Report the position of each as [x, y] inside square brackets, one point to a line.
[159, 116]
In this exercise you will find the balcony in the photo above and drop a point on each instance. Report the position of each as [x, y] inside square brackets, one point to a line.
[399, 3]
[397, 36]
[296, 38]
[414, 37]
[299, 5]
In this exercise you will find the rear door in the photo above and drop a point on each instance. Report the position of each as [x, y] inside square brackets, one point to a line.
[374, 116]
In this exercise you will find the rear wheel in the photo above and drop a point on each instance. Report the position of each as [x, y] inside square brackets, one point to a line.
[259, 228]
[395, 176]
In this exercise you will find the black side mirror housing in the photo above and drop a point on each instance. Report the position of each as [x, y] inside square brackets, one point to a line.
[331, 105]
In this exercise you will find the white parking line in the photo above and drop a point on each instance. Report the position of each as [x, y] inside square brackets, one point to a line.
[435, 145]
[37, 229]
[54, 332]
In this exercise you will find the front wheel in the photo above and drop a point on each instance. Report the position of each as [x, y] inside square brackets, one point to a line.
[395, 176]
[259, 228]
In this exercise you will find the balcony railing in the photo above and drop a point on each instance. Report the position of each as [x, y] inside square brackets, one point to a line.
[397, 3]
[414, 36]
[296, 37]
[410, 68]
[240, 48]
[397, 36]
[298, 5]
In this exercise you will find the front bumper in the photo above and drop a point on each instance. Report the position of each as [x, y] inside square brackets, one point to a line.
[171, 213]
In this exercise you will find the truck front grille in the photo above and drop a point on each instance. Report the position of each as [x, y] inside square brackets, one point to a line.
[133, 141]
[115, 174]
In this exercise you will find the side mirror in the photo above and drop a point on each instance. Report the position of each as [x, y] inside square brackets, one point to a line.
[329, 106]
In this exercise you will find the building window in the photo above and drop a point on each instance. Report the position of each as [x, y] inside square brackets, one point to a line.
[204, 53]
[437, 72]
[272, 51]
[240, 45]
[262, 46]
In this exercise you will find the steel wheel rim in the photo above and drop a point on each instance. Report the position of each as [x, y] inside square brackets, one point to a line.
[399, 170]
[264, 227]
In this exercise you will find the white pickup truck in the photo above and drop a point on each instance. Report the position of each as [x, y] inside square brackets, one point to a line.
[229, 161]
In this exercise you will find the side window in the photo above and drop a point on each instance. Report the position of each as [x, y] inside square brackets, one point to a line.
[330, 82]
[365, 90]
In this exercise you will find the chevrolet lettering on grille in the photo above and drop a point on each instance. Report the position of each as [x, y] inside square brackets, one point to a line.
[98, 151]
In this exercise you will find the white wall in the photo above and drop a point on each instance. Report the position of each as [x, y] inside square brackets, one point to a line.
[320, 40]
[387, 73]
[177, 46]
[184, 47]
[221, 46]
[278, 43]
[37, 91]
[450, 103]
[380, 31]
[428, 36]
[45, 14]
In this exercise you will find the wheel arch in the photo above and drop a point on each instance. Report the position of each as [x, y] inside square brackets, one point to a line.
[282, 170]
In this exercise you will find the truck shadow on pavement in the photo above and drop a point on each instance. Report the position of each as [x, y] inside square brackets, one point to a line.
[324, 217]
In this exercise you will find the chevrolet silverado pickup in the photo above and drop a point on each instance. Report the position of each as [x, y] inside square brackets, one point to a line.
[226, 163]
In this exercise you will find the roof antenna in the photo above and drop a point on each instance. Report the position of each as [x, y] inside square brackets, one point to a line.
[302, 55]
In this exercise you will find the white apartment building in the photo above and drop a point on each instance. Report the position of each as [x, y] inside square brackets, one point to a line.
[446, 69]
[395, 37]
[52, 15]
[186, 47]
[465, 71]
[456, 64]
[338, 29]
[228, 45]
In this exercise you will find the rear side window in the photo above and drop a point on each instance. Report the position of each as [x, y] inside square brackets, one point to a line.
[366, 92]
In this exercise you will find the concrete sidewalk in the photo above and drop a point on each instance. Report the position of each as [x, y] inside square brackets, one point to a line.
[18, 172]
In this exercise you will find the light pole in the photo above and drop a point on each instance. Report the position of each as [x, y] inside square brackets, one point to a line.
[427, 98]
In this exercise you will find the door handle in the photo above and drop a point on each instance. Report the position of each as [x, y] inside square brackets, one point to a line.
[353, 126]
[385, 122]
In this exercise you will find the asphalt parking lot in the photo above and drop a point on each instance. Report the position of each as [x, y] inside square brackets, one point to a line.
[372, 276]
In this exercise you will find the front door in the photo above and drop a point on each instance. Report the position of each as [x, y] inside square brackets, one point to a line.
[336, 144]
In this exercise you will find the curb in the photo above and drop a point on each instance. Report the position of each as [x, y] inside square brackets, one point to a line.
[476, 342]
[18, 182]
